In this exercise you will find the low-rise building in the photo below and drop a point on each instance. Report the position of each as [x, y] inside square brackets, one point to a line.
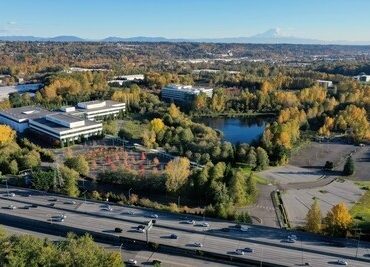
[362, 77]
[183, 93]
[99, 109]
[64, 128]
[325, 83]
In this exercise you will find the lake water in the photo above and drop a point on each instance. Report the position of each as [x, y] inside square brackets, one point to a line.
[242, 130]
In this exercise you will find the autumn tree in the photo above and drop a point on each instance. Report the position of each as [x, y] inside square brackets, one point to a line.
[177, 172]
[156, 125]
[314, 218]
[200, 102]
[7, 135]
[327, 127]
[251, 158]
[338, 220]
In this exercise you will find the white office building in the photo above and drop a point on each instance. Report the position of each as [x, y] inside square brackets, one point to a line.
[362, 77]
[325, 83]
[65, 128]
[99, 109]
[183, 93]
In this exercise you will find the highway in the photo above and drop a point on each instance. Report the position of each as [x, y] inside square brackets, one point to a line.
[266, 242]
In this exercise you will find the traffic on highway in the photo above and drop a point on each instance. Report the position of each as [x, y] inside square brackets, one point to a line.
[191, 232]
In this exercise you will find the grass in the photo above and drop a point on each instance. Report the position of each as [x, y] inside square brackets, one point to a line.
[361, 210]
[247, 170]
[134, 128]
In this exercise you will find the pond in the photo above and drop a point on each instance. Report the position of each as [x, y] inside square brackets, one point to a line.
[242, 130]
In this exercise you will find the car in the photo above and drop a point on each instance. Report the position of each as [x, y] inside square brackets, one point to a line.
[71, 202]
[131, 212]
[140, 230]
[190, 222]
[239, 252]
[63, 215]
[54, 199]
[58, 219]
[51, 204]
[307, 264]
[225, 229]
[11, 195]
[204, 224]
[132, 261]
[173, 236]
[342, 262]
[289, 240]
[250, 250]
[155, 216]
[140, 226]
[199, 245]
[26, 207]
[294, 237]
[107, 208]
[12, 207]
[34, 206]
[118, 230]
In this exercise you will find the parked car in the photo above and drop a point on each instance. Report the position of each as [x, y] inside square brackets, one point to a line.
[118, 230]
[11, 195]
[239, 252]
[12, 207]
[250, 250]
[199, 245]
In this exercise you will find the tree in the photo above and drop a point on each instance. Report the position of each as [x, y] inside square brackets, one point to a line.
[251, 186]
[200, 102]
[237, 188]
[70, 180]
[110, 127]
[177, 173]
[349, 167]
[338, 220]
[251, 158]
[262, 159]
[314, 218]
[157, 125]
[7, 135]
[31, 160]
[174, 112]
[79, 164]
[13, 167]
[148, 138]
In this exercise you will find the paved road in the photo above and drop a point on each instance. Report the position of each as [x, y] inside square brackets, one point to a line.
[142, 256]
[265, 241]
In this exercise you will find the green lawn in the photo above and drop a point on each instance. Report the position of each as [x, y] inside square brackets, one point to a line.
[361, 210]
[247, 170]
[133, 128]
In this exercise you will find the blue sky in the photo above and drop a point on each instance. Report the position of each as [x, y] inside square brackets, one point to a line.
[318, 19]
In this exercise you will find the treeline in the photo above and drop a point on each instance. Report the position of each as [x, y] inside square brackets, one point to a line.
[26, 250]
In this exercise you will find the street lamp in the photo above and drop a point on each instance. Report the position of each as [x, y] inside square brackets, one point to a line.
[129, 193]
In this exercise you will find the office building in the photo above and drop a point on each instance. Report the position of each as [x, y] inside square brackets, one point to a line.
[183, 93]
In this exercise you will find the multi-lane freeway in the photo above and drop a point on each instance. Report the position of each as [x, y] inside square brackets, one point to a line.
[266, 244]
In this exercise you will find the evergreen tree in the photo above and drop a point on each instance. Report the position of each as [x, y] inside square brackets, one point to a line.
[349, 167]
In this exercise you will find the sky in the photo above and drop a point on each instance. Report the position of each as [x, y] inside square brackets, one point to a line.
[95, 19]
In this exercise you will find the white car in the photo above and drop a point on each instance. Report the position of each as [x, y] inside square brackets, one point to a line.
[11, 195]
[199, 245]
[63, 216]
[141, 230]
[131, 212]
[289, 240]
[342, 262]
[107, 208]
[155, 216]
[12, 207]
[190, 222]
[132, 261]
[71, 202]
[204, 224]
[239, 252]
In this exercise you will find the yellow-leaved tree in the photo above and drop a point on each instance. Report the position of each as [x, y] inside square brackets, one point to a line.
[314, 218]
[6, 135]
[177, 172]
[338, 220]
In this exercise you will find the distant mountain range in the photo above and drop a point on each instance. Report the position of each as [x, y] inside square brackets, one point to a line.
[272, 36]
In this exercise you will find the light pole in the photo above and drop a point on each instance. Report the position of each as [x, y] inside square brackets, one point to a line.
[129, 193]
[178, 201]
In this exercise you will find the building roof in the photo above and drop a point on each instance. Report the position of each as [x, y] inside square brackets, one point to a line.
[60, 128]
[64, 117]
[24, 113]
[108, 104]
[186, 88]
